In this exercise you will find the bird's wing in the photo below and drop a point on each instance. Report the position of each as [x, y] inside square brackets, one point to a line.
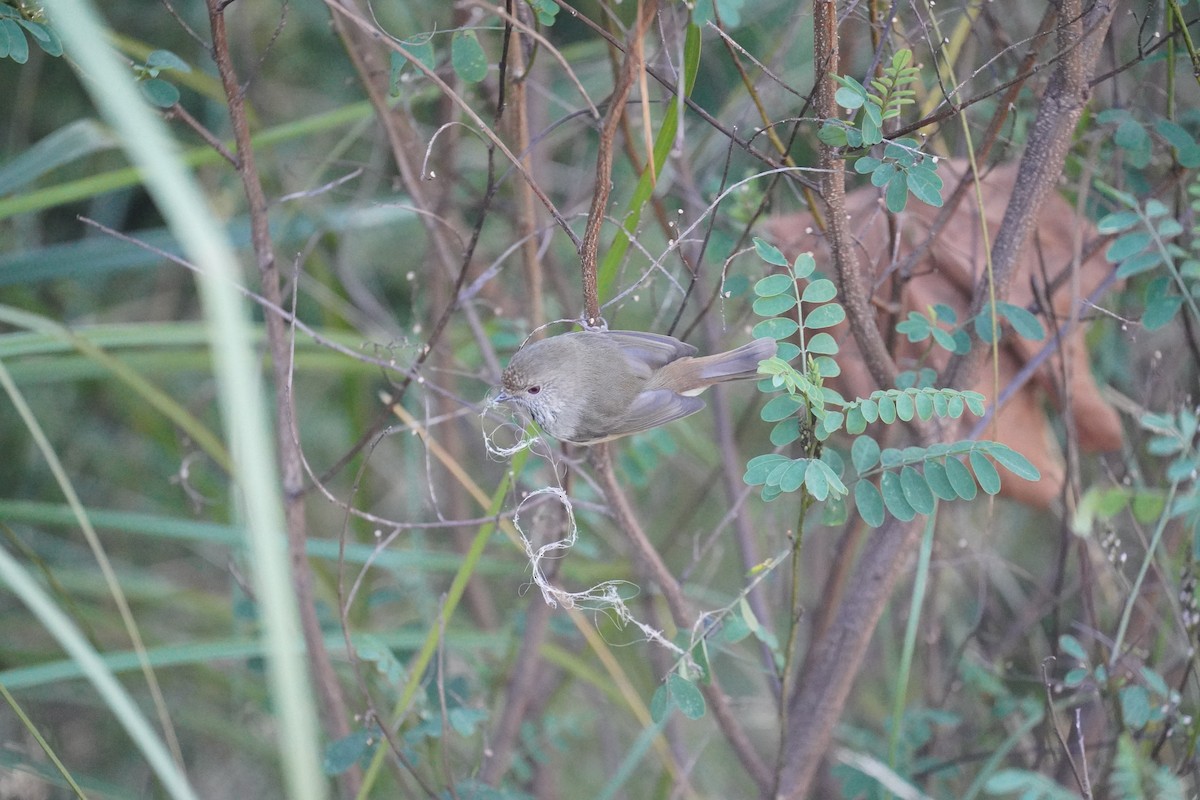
[655, 350]
[656, 407]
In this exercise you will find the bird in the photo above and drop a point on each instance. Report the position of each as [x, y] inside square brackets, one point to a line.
[589, 387]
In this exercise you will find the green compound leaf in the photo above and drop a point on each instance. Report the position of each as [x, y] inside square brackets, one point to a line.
[916, 490]
[869, 502]
[894, 499]
[961, 479]
[774, 285]
[985, 472]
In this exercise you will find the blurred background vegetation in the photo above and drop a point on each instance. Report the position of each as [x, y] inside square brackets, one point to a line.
[417, 260]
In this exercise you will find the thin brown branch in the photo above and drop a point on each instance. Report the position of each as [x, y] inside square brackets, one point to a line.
[333, 706]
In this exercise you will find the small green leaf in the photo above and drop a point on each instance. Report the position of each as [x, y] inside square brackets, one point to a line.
[985, 472]
[1014, 462]
[869, 502]
[467, 57]
[870, 410]
[960, 478]
[820, 291]
[1135, 706]
[816, 483]
[939, 484]
[18, 47]
[159, 93]
[781, 407]
[1127, 245]
[827, 367]
[893, 497]
[887, 409]
[775, 328]
[895, 197]
[825, 316]
[165, 59]
[1117, 222]
[1023, 322]
[1137, 264]
[1073, 647]
[805, 266]
[926, 186]
[774, 306]
[759, 467]
[769, 253]
[344, 753]
[660, 704]
[905, 409]
[785, 431]
[833, 133]
[775, 285]
[787, 351]
[916, 490]
[1161, 304]
[864, 453]
[794, 476]
[855, 422]
[924, 404]
[975, 402]
[823, 344]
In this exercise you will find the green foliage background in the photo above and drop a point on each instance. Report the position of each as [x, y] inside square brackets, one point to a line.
[104, 339]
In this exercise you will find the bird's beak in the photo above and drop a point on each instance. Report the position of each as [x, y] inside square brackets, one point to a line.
[503, 397]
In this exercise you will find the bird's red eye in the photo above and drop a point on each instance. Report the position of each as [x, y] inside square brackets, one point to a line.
[534, 389]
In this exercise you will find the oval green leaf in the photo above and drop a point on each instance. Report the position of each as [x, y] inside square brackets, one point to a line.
[823, 344]
[775, 328]
[820, 291]
[773, 285]
[467, 57]
[774, 305]
[916, 490]
[864, 453]
[893, 497]
[961, 479]
[939, 484]
[869, 502]
[825, 316]
[985, 472]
